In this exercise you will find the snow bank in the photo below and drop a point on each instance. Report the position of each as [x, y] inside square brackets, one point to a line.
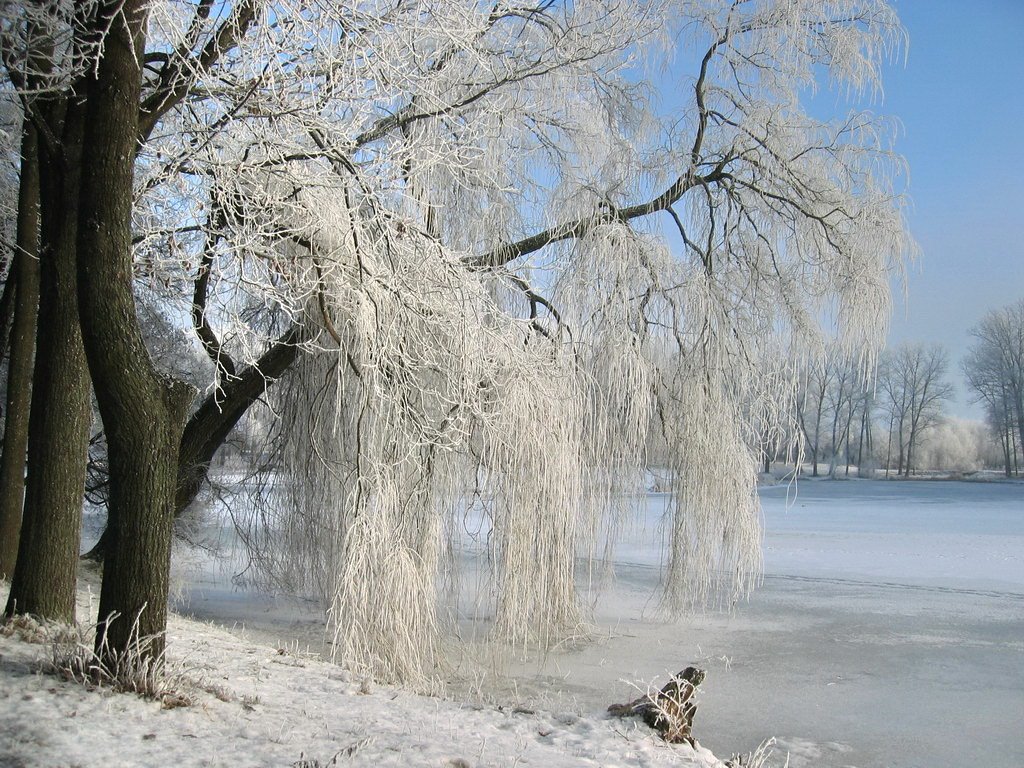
[256, 705]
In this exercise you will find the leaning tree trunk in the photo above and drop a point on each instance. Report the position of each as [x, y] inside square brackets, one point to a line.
[210, 425]
[46, 573]
[143, 413]
[23, 281]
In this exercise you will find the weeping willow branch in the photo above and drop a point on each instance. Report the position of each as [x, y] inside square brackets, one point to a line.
[422, 196]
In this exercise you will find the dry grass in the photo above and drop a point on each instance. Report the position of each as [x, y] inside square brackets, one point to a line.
[29, 629]
[351, 749]
[134, 670]
[756, 759]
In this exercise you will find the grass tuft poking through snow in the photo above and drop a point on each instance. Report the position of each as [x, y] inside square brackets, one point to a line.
[135, 670]
[756, 759]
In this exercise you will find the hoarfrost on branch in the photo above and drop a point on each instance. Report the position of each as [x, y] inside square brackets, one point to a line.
[528, 249]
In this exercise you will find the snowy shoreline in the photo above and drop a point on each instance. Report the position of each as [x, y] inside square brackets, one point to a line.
[875, 594]
[257, 705]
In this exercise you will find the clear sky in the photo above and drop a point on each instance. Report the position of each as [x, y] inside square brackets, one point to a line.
[960, 97]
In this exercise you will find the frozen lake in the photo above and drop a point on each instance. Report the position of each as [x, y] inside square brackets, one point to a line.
[888, 633]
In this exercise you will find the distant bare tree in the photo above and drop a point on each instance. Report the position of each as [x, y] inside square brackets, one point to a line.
[913, 387]
[864, 415]
[811, 407]
[844, 400]
[994, 368]
[829, 399]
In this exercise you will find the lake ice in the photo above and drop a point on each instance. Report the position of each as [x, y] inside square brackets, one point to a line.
[888, 632]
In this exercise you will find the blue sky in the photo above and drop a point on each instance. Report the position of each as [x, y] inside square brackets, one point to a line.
[960, 97]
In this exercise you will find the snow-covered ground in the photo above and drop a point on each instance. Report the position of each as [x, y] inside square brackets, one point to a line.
[263, 705]
[889, 633]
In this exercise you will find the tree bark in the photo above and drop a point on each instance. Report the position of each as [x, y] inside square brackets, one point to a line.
[46, 572]
[208, 428]
[7, 311]
[24, 280]
[143, 413]
[211, 424]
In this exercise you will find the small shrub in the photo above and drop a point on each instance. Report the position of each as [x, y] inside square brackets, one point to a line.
[351, 749]
[304, 762]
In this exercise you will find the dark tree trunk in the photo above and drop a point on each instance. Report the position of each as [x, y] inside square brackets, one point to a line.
[23, 284]
[899, 459]
[208, 428]
[1014, 452]
[143, 413]
[911, 440]
[817, 436]
[1018, 406]
[860, 442]
[7, 312]
[45, 577]
[888, 451]
[1005, 443]
[211, 424]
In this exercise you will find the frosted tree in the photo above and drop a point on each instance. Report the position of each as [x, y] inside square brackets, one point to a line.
[521, 284]
[955, 445]
[815, 385]
[495, 267]
[912, 379]
[994, 368]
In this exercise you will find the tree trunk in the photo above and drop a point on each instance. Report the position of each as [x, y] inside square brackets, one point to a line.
[1011, 447]
[24, 280]
[7, 311]
[45, 576]
[888, 450]
[911, 442]
[1005, 443]
[212, 422]
[860, 441]
[1018, 406]
[817, 433]
[143, 413]
[899, 460]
